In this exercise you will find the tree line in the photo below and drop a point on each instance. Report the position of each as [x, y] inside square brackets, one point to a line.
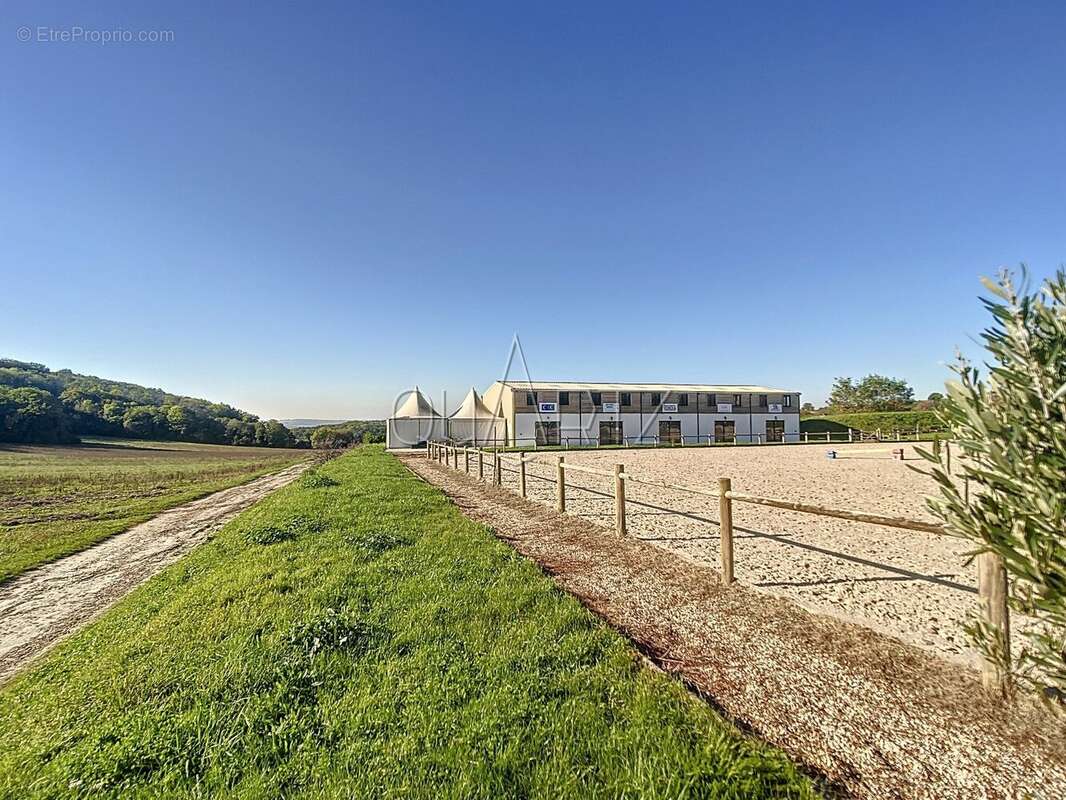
[40, 405]
[332, 437]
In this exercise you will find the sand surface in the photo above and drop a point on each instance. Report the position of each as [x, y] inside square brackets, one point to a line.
[44, 605]
[911, 585]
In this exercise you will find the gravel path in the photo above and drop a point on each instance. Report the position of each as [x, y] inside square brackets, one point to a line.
[876, 717]
[911, 585]
[44, 605]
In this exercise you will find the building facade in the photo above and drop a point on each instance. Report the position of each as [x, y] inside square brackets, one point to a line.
[564, 412]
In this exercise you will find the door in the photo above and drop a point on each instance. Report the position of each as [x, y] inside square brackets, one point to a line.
[547, 433]
[669, 431]
[775, 430]
[610, 432]
[725, 430]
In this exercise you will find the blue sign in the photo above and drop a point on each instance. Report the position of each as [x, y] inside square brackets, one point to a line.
[547, 408]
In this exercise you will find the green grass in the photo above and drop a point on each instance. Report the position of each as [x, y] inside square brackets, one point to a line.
[56, 500]
[363, 640]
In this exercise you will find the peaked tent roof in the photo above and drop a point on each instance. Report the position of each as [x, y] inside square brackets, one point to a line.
[473, 407]
[416, 405]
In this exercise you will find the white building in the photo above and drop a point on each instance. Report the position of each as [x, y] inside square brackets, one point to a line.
[543, 413]
[557, 412]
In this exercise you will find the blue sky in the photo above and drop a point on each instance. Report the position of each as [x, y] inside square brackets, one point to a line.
[302, 211]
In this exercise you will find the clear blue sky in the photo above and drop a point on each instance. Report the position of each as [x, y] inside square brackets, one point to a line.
[303, 211]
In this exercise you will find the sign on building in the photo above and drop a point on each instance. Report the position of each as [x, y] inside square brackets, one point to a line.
[725, 408]
[669, 408]
[548, 408]
[775, 408]
[610, 408]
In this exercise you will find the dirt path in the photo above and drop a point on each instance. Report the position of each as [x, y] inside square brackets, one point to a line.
[877, 717]
[42, 606]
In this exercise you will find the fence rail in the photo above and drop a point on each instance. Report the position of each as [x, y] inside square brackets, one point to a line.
[992, 578]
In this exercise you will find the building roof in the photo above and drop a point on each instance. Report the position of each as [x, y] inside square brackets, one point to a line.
[725, 388]
[416, 405]
[473, 408]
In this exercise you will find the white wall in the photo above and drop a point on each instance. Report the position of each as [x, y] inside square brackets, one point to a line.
[401, 432]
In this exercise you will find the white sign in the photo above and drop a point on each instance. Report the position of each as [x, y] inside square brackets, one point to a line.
[725, 408]
[547, 408]
[669, 408]
[610, 408]
[775, 408]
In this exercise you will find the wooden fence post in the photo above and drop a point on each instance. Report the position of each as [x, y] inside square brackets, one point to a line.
[992, 598]
[560, 485]
[498, 470]
[466, 459]
[522, 474]
[480, 464]
[725, 515]
[619, 500]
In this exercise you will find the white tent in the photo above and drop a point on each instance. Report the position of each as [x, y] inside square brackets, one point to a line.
[414, 423]
[474, 422]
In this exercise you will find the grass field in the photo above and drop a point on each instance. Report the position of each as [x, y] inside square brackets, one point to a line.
[58, 500]
[354, 635]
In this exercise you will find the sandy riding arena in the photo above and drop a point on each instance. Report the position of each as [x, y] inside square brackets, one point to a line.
[911, 585]
[46, 604]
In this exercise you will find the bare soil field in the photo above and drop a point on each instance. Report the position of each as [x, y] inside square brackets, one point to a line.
[45, 604]
[911, 585]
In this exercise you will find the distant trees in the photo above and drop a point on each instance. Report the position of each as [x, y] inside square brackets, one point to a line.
[331, 438]
[29, 414]
[343, 435]
[872, 393]
[41, 405]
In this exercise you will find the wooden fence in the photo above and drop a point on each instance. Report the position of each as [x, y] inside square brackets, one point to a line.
[991, 573]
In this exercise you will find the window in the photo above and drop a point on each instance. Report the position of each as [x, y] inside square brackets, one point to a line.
[610, 432]
[625, 399]
[712, 399]
[682, 400]
[564, 398]
[786, 401]
[547, 433]
[669, 432]
[597, 398]
[725, 430]
[775, 430]
[737, 400]
[656, 398]
[531, 398]
[762, 401]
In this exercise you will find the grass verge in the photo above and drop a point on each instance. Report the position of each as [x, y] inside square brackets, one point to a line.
[363, 639]
[57, 500]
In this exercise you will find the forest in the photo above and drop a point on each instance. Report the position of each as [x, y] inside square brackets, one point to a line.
[39, 405]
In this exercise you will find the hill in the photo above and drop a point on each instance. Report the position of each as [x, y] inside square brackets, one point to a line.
[47, 406]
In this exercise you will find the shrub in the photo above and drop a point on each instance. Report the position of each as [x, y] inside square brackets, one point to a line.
[313, 479]
[1011, 428]
[272, 534]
